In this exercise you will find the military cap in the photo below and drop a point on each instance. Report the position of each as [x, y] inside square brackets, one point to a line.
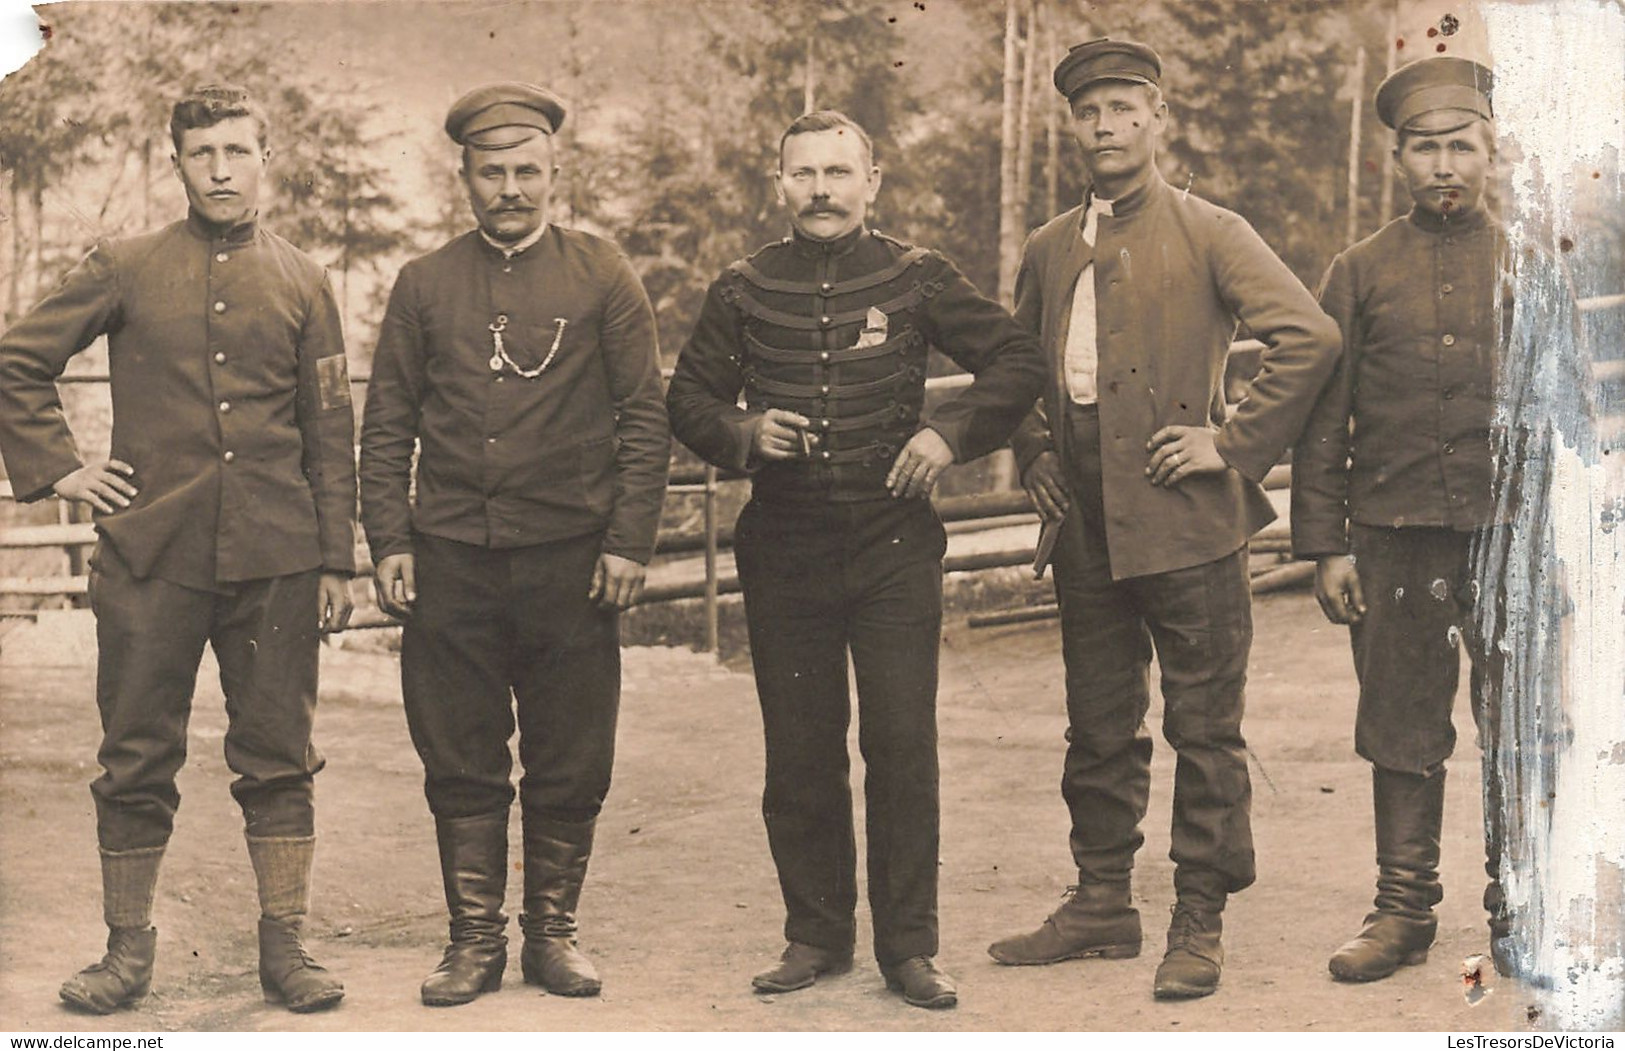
[1435, 95]
[1106, 59]
[503, 115]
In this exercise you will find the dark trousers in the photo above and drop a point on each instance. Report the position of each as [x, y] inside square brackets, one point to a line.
[1199, 620]
[150, 636]
[820, 582]
[1422, 601]
[495, 631]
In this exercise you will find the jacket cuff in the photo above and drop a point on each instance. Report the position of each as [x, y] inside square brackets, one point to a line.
[1253, 468]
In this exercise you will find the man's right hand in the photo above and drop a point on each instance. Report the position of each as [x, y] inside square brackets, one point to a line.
[395, 581]
[1046, 485]
[106, 486]
[1338, 590]
[778, 435]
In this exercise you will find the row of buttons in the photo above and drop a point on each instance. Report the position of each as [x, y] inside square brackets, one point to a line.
[219, 356]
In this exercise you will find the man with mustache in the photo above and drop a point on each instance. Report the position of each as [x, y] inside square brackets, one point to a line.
[839, 551]
[1137, 293]
[1392, 488]
[225, 517]
[519, 359]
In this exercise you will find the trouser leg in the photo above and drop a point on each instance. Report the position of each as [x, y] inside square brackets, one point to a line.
[1201, 620]
[795, 617]
[150, 636]
[265, 638]
[456, 677]
[894, 625]
[1106, 648]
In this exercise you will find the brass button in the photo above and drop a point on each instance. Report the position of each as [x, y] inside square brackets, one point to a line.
[219, 307]
[225, 406]
[826, 288]
[1449, 393]
[221, 257]
[824, 388]
[824, 320]
[230, 456]
[219, 358]
[824, 454]
[1447, 288]
[824, 356]
[1448, 340]
[491, 440]
[1449, 450]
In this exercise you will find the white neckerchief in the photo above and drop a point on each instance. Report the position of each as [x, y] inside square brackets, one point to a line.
[1082, 360]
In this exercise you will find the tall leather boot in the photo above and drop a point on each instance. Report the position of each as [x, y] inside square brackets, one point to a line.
[1095, 919]
[288, 975]
[556, 855]
[124, 974]
[474, 868]
[1409, 812]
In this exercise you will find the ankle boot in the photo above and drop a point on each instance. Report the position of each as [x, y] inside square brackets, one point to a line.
[1095, 919]
[474, 868]
[1195, 956]
[556, 855]
[288, 974]
[1409, 812]
[124, 974]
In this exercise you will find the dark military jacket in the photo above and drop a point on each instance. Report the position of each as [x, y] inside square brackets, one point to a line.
[509, 461]
[1423, 313]
[839, 332]
[230, 399]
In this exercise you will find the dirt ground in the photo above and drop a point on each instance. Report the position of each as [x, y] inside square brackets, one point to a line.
[681, 905]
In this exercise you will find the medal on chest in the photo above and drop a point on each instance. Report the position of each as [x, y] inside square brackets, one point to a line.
[499, 349]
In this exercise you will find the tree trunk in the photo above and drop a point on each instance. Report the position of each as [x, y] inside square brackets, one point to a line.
[1024, 120]
[1385, 207]
[1357, 77]
[1052, 116]
[1009, 228]
[809, 82]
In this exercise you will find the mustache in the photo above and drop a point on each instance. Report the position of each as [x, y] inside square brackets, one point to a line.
[823, 209]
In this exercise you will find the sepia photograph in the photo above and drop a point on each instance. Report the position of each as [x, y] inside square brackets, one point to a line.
[783, 516]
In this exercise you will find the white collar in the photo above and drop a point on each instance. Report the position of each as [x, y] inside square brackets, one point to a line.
[510, 250]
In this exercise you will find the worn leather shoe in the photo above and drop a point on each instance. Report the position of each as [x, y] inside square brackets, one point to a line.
[288, 975]
[922, 983]
[1386, 943]
[1191, 966]
[1094, 921]
[120, 978]
[799, 966]
[558, 966]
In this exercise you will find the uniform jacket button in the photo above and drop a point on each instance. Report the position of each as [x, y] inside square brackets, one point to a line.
[219, 307]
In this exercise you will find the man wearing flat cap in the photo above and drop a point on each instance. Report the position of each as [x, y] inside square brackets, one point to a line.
[1392, 488]
[1136, 294]
[824, 335]
[225, 517]
[519, 361]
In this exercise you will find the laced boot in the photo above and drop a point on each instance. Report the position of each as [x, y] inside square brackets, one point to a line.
[474, 868]
[556, 855]
[288, 975]
[1195, 957]
[124, 974]
[1398, 933]
[1095, 919]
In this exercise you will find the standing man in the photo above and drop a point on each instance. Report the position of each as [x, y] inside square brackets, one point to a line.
[826, 334]
[519, 359]
[1137, 293]
[1392, 487]
[226, 516]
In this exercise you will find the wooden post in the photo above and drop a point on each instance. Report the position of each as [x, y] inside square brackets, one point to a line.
[1385, 207]
[712, 632]
[1009, 235]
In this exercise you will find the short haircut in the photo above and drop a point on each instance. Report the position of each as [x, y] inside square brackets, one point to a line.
[826, 120]
[1403, 135]
[206, 106]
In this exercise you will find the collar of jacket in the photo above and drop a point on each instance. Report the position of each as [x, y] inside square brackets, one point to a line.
[1437, 223]
[812, 248]
[1130, 202]
[239, 233]
[519, 247]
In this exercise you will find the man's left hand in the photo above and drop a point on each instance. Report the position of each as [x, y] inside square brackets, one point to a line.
[919, 465]
[617, 583]
[1179, 452]
[334, 604]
